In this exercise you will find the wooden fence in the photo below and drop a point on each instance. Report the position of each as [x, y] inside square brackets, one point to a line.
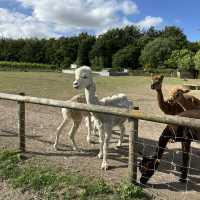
[133, 115]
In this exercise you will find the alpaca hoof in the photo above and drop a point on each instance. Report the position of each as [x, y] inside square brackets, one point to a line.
[100, 155]
[104, 166]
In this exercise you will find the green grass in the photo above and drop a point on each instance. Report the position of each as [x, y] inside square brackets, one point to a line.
[59, 86]
[51, 183]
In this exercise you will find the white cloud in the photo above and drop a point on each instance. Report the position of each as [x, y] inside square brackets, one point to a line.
[150, 21]
[53, 18]
[80, 13]
[129, 7]
[18, 25]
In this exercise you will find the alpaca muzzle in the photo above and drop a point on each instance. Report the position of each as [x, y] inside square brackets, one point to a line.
[75, 84]
[152, 87]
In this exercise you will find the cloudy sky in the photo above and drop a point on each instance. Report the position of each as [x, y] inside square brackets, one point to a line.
[55, 18]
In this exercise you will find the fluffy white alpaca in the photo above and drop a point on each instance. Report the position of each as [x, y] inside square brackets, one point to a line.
[105, 123]
[76, 118]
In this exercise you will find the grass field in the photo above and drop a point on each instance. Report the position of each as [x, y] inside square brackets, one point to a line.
[59, 86]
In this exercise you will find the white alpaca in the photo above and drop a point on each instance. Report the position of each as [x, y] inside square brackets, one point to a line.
[76, 117]
[105, 123]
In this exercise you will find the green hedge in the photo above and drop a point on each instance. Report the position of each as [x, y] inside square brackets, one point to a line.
[165, 72]
[20, 66]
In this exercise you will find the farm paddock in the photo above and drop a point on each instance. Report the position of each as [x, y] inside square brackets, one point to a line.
[42, 121]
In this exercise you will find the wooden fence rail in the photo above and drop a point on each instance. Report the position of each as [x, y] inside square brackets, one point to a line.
[132, 115]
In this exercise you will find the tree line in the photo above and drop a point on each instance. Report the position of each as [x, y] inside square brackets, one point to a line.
[128, 47]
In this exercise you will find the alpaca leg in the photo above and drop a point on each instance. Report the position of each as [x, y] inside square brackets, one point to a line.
[122, 131]
[185, 158]
[108, 132]
[89, 129]
[58, 132]
[166, 135]
[101, 141]
[72, 133]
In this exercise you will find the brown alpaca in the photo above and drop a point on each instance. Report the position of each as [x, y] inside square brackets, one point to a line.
[170, 106]
[181, 99]
[182, 134]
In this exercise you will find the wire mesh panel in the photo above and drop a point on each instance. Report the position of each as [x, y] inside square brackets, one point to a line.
[165, 182]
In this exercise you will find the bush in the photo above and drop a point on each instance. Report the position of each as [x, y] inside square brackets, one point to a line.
[197, 60]
[20, 66]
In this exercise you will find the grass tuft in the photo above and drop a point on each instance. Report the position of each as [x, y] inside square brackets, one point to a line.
[50, 183]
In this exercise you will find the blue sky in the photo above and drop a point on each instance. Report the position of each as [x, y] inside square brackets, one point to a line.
[55, 18]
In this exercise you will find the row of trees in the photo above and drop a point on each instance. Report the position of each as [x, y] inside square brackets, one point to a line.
[127, 47]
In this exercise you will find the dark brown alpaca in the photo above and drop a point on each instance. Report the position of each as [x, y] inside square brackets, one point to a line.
[182, 134]
[182, 100]
[170, 106]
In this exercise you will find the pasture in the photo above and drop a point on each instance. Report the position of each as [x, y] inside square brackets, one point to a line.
[43, 121]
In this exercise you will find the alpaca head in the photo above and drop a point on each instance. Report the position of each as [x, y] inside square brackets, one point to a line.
[178, 95]
[83, 77]
[157, 82]
[147, 167]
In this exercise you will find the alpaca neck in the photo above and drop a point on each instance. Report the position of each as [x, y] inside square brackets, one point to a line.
[160, 99]
[185, 104]
[90, 94]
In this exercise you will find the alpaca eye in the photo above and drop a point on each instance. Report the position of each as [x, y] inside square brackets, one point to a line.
[84, 77]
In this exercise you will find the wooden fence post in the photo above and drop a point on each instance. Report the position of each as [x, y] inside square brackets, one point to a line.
[133, 139]
[21, 124]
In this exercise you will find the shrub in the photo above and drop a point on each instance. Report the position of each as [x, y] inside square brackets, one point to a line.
[197, 60]
[20, 66]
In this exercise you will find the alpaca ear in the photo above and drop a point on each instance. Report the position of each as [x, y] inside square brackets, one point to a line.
[186, 91]
[161, 77]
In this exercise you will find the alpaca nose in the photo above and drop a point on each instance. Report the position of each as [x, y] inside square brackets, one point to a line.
[75, 84]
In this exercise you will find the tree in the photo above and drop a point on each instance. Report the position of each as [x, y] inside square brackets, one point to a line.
[186, 60]
[172, 62]
[147, 36]
[177, 34]
[197, 60]
[66, 63]
[83, 51]
[110, 42]
[156, 52]
[127, 57]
